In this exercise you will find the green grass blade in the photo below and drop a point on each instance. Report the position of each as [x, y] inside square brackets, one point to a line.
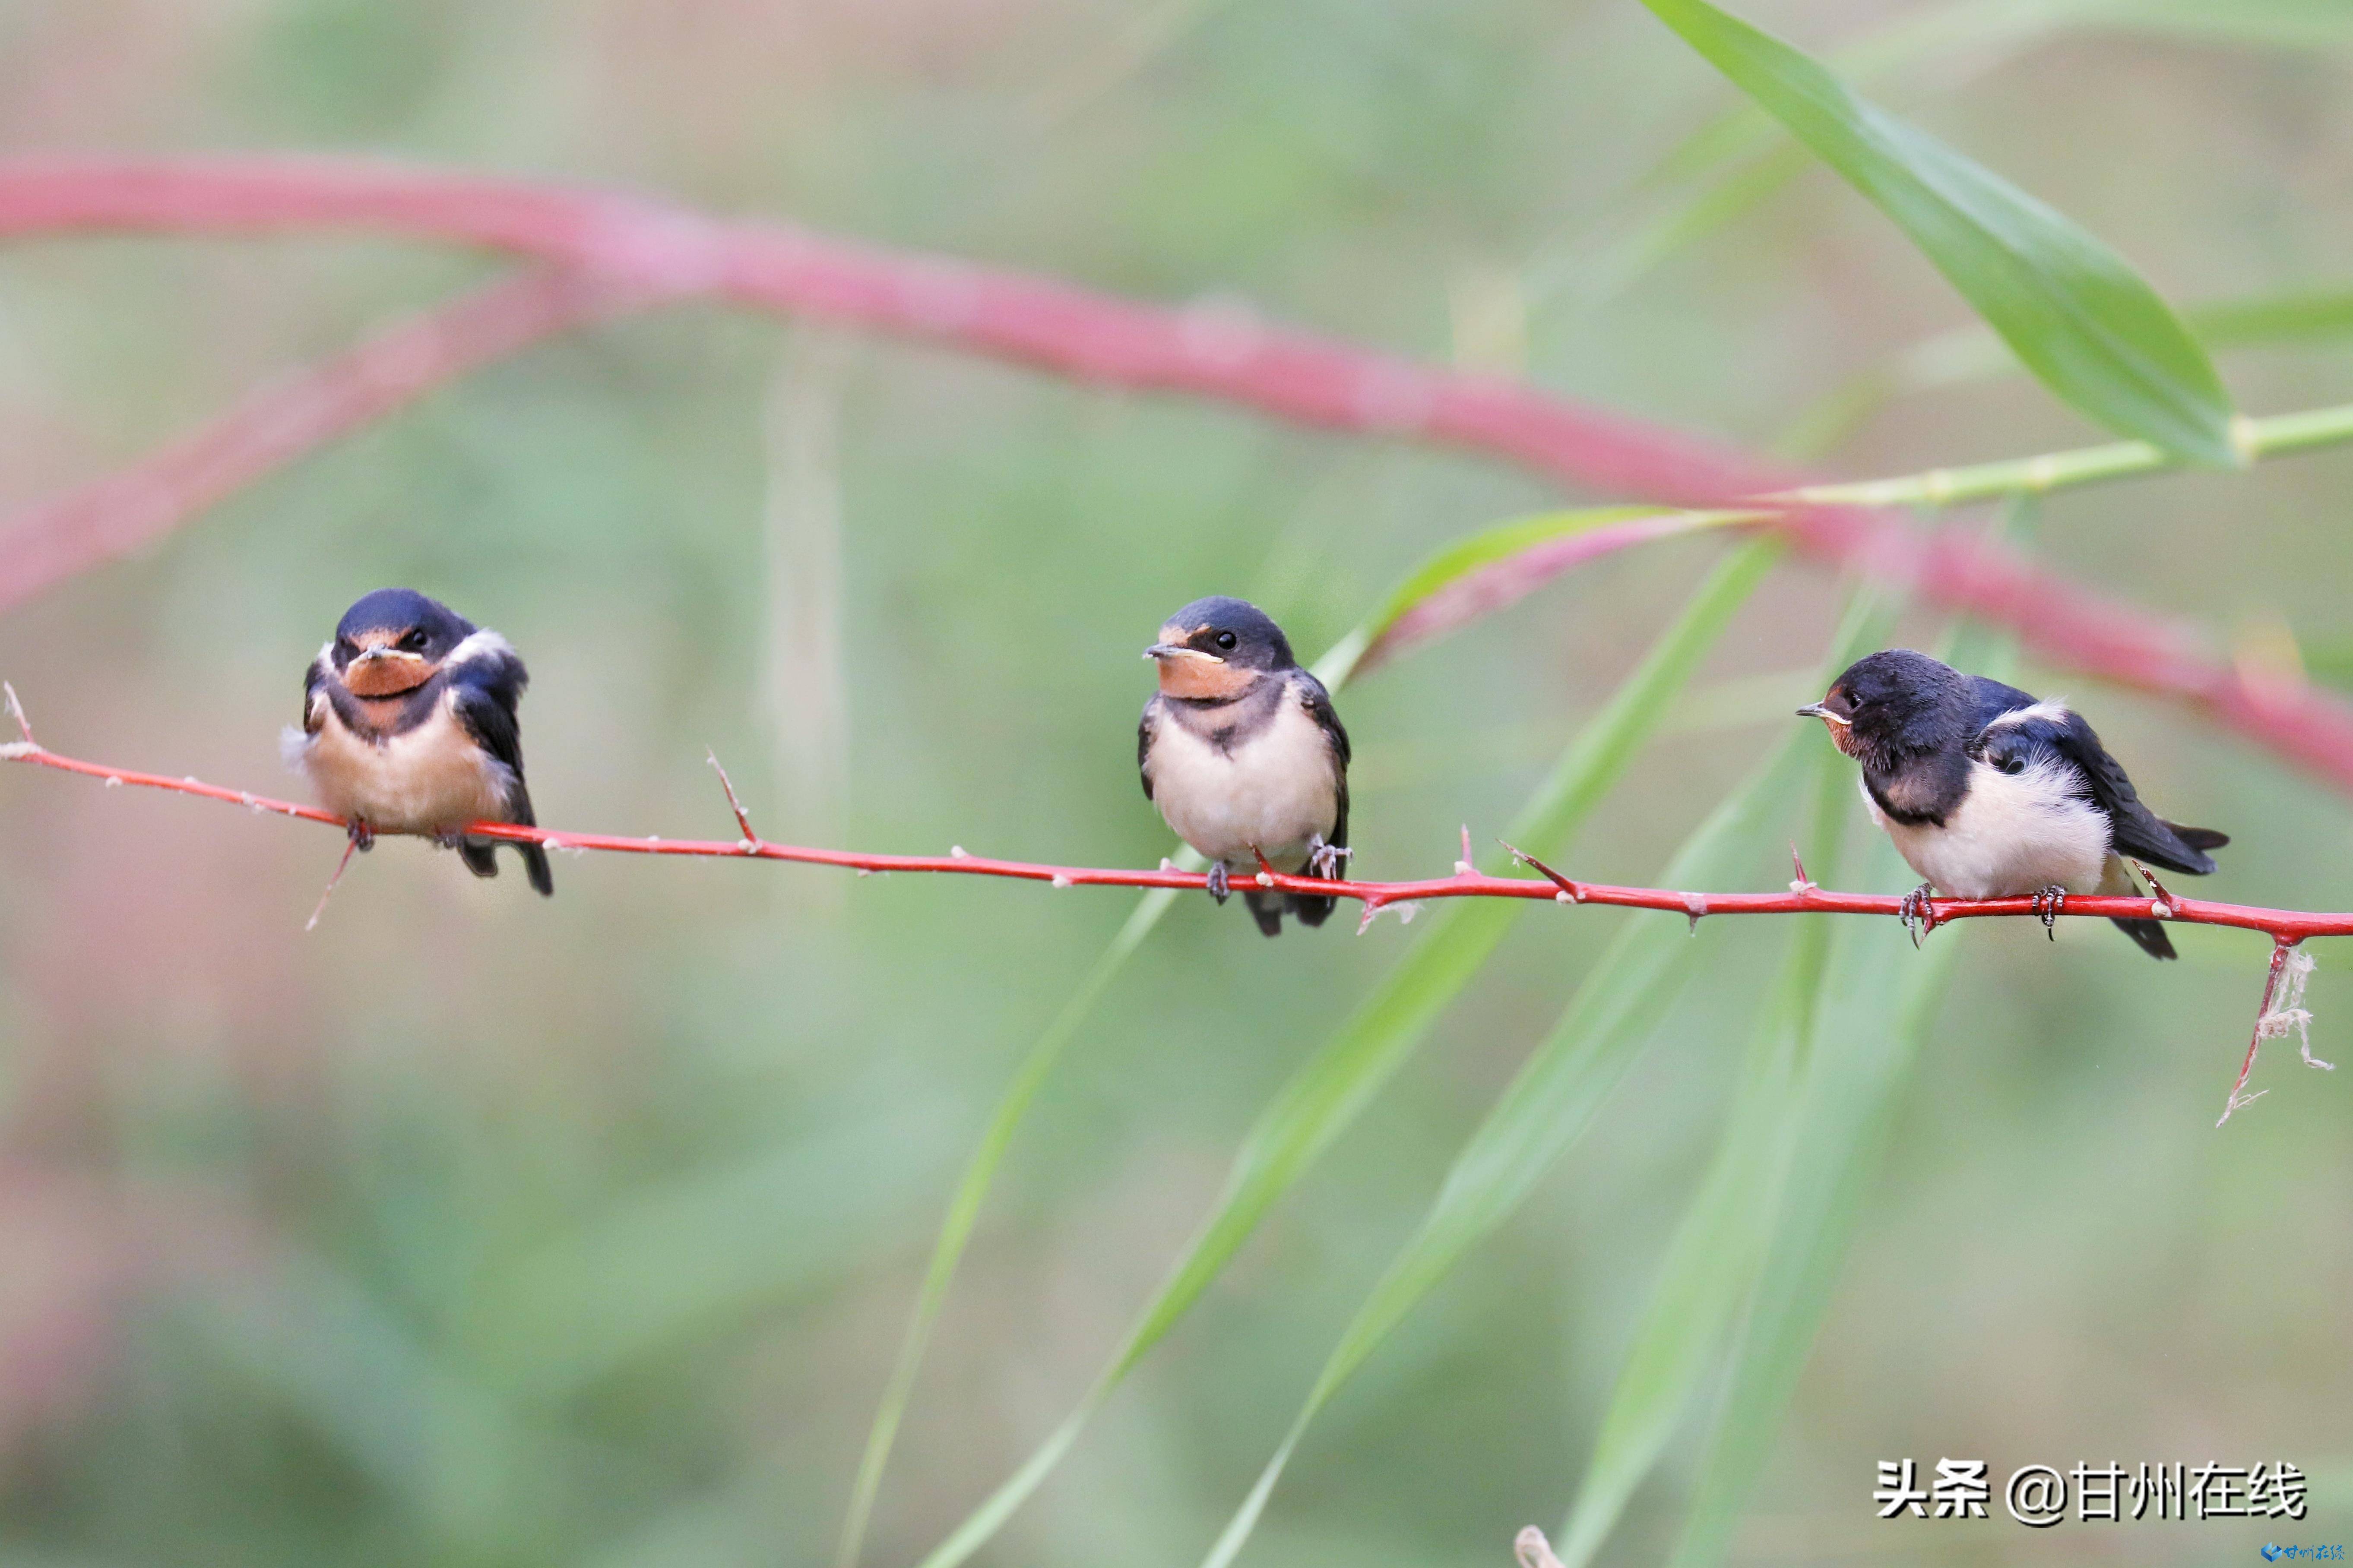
[1564, 1080]
[1335, 1085]
[1882, 997]
[405, 1419]
[2074, 313]
[1486, 551]
[1600, 266]
[2296, 316]
[1548, 1104]
[1972, 353]
[1740, 159]
[677, 1257]
[2300, 315]
[2278, 24]
[964, 1212]
[1991, 31]
[1325, 1095]
[1735, 162]
[1717, 1250]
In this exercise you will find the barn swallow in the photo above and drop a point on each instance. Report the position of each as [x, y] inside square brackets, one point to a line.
[1989, 793]
[1243, 755]
[408, 726]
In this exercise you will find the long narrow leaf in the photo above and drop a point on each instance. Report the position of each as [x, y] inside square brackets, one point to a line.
[1733, 165]
[1973, 353]
[1551, 1099]
[1328, 1091]
[1989, 32]
[1718, 1247]
[1564, 1081]
[1883, 998]
[964, 1212]
[2280, 23]
[1530, 551]
[680, 1256]
[2071, 309]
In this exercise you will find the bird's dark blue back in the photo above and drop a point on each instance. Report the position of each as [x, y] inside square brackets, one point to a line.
[1994, 699]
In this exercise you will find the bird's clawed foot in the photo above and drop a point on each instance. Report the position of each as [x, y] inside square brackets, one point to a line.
[1914, 912]
[1219, 887]
[450, 838]
[2048, 902]
[1324, 859]
[362, 835]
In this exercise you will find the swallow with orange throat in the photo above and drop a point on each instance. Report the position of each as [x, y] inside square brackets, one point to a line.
[1242, 753]
[1990, 793]
[409, 726]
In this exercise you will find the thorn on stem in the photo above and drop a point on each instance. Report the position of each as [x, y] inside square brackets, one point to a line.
[1804, 884]
[351, 847]
[1575, 893]
[742, 820]
[1463, 866]
[1695, 908]
[1266, 872]
[16, 711]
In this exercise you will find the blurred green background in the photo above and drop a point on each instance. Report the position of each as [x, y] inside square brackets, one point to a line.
[468, 1228]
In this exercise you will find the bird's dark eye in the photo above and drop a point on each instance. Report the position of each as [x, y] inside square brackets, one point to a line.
[1225, 640]
[2013, 764]
[413, 640]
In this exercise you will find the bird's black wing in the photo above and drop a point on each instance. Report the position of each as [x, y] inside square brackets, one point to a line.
[1318, 703]
[2135, 829]
[314, 677]
[2139, 832]
[483, 698]
[1144, 728]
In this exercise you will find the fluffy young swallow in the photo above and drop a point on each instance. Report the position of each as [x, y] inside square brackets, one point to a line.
[408, 726]
[1989, 793]
[1243, 755]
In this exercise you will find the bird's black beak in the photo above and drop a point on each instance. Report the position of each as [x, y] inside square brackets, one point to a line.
[1816, 710]
[1167, 650]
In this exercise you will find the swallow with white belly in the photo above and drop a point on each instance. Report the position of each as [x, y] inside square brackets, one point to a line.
[1989, 793]
[1242, 753]
[409, 726]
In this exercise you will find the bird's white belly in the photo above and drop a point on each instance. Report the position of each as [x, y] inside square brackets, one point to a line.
[425, 780]
[1275, 791]
[2013, 834]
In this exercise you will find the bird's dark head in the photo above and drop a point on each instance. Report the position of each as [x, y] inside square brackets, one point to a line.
[1894, 703]
[1217, 648]
[394, 641]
